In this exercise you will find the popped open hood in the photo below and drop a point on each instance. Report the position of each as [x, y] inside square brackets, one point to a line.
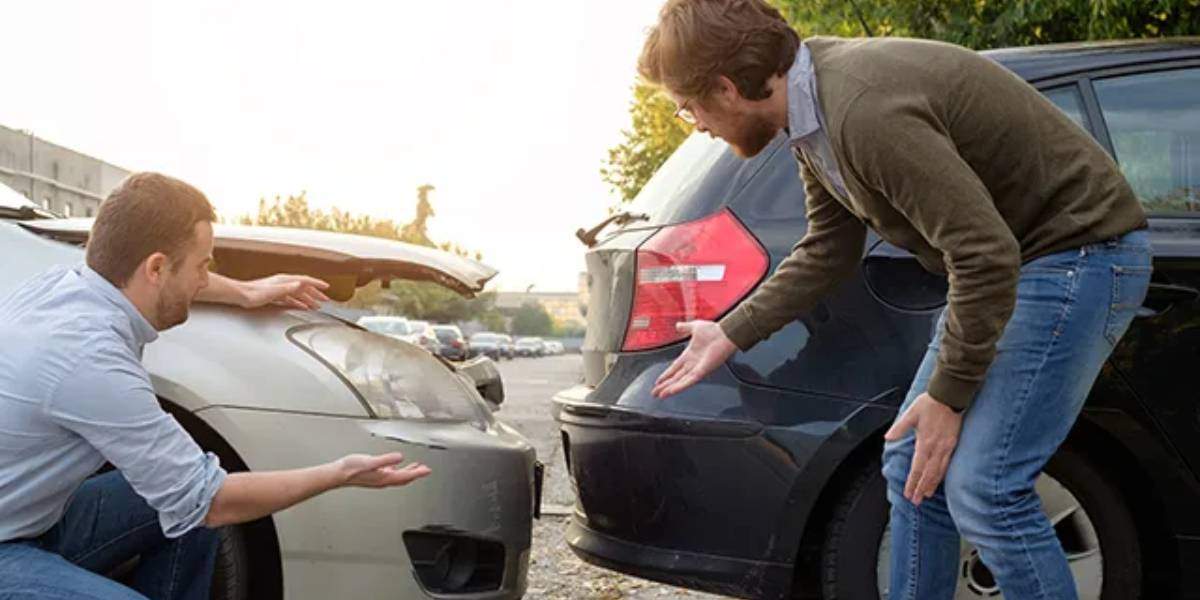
[345, 261]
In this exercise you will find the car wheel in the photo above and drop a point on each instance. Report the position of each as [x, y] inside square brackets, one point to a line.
[1094, 526]
[231, 579]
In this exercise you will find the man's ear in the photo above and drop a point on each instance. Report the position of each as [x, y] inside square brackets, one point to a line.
[725, 91]
[155, 268]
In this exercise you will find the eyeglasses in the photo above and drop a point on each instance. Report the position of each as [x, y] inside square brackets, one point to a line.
[685, 114]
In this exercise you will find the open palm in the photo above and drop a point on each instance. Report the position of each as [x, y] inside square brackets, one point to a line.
[363, 470]
[708, 349]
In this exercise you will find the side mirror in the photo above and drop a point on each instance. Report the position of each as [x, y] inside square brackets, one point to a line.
[482, 370]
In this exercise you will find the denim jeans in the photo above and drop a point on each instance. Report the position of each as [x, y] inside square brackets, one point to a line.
[105, 525]
[1072, 308]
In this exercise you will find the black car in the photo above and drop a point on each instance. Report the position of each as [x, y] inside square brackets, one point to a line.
[453, 344]
[486, 343]
[762, 481]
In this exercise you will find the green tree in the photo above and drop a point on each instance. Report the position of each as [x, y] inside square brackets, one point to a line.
[653, 137]
[532, 319]
[977, 24]
[492, 320]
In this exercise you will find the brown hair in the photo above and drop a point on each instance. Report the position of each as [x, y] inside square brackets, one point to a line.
[694, 41]
[146, 213]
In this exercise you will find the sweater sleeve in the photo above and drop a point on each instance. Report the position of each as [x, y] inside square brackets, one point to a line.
[826, 255]
[902, 150]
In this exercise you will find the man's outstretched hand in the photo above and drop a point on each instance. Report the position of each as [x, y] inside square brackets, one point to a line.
[707, 350]
[364, 470]
[293, 291]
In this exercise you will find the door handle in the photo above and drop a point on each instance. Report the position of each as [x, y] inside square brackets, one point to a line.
[1162, 296]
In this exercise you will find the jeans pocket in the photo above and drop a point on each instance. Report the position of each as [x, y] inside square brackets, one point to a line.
[1129, 285]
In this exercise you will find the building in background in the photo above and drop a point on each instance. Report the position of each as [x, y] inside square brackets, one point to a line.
[59, 179]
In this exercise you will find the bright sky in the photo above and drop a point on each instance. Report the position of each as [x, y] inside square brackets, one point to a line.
[506, 107]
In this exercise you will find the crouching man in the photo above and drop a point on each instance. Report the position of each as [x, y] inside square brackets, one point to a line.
[74, 395]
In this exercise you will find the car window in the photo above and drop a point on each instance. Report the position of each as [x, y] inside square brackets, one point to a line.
[1154, 122]
[1067, 98]
[700, 176]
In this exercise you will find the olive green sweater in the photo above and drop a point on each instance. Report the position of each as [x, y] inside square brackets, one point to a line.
[954, 158]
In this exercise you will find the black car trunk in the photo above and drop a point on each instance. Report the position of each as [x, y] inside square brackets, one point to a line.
[698, 180]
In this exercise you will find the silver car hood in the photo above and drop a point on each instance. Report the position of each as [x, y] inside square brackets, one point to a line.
[346, 261]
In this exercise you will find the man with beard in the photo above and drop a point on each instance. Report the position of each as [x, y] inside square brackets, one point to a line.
[74, 395]
[948, 155]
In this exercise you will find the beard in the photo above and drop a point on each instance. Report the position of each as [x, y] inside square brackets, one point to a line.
[753, 134]
[172, 309]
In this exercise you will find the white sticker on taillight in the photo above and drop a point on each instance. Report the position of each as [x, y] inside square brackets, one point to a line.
[682, 273]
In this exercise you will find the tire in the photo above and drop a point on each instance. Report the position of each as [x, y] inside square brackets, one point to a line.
[855, 534]
[231, 579]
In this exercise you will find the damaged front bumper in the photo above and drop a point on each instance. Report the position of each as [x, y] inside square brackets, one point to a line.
[462, 532]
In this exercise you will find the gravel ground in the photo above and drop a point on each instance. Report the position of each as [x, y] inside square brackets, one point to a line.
[554, 571]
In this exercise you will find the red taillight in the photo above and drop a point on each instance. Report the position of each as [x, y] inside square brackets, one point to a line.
[696, 270]
[457, 343]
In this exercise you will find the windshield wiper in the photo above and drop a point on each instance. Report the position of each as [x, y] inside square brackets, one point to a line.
[588, 237]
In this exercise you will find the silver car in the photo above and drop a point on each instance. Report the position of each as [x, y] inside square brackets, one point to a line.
[281, 389]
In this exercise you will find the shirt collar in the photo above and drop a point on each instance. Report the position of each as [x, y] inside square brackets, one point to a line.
[802, 104]
[143, 331]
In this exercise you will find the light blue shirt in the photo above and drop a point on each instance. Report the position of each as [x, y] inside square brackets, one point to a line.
[74, 395]
[806, 124]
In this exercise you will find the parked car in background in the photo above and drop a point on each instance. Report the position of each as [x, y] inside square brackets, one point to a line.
[426, 337]
[507, 346]
[276, 388]
[486, 343]
[454, 345]
[798, 421]
[554, 348]
[413, 332]
[388, 325]
[530, 346]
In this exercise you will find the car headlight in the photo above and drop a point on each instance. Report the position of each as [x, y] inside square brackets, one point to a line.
[393, 379]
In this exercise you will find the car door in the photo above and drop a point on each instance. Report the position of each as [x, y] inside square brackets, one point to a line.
[1150, 120]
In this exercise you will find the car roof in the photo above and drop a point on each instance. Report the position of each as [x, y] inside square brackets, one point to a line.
[1048, 61]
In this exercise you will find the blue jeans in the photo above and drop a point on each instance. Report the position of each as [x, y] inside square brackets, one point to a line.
[1072, 308]
[105, 525]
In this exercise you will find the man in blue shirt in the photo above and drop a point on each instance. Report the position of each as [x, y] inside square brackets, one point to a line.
[74, 396]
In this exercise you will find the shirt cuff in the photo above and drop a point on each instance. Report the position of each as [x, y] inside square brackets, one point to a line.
[177, 522]
[739, 327]
[952, 391]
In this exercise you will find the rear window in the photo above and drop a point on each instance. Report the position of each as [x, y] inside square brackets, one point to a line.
[445, 335]
[698, 179]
